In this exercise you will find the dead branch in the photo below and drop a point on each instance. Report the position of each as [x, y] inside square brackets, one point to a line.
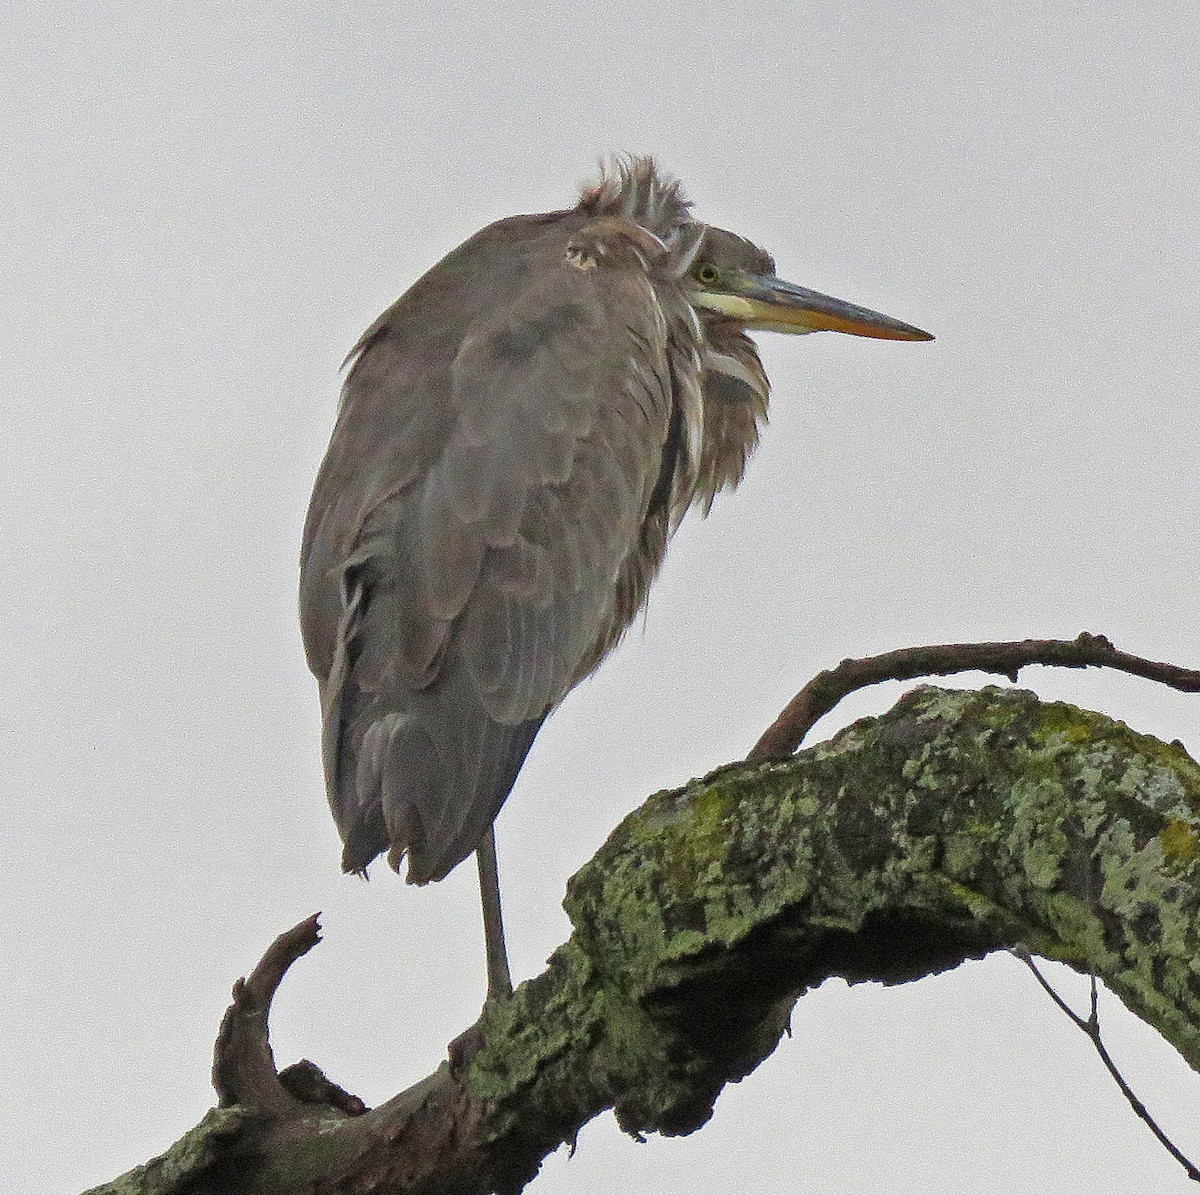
[243, 1065]
[826, 689]
[1090, 1026]
[957, 824]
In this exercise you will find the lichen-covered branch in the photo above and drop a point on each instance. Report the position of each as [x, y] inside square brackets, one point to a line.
[958, 823]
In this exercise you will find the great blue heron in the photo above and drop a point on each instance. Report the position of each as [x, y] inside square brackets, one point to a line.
[519, 435]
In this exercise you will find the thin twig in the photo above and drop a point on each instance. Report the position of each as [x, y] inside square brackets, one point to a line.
[827, 688]
[1090, 1025]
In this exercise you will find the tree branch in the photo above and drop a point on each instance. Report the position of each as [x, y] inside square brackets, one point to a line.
[1090, 1026]
[827, 688]
[956, 824]
[243, 1065]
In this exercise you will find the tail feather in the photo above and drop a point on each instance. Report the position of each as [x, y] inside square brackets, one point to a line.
[423, 776]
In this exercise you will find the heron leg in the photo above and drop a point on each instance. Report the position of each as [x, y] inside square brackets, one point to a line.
[499, 981]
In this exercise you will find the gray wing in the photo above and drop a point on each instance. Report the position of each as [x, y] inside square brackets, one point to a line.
[463, 553]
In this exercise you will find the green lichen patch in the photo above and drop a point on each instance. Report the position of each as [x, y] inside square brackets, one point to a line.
[1179, 842]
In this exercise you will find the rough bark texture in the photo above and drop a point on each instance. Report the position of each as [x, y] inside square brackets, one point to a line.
[958, 823]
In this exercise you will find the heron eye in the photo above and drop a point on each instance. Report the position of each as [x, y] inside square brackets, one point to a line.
[707, 273]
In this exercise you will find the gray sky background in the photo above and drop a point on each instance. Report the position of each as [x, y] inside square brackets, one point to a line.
[204, 204]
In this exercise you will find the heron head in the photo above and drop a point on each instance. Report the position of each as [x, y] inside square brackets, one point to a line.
[736, 279]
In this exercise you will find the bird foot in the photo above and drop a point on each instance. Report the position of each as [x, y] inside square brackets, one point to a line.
[462, 1050]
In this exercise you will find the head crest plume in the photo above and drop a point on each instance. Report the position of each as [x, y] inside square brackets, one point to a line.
[635, 188]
